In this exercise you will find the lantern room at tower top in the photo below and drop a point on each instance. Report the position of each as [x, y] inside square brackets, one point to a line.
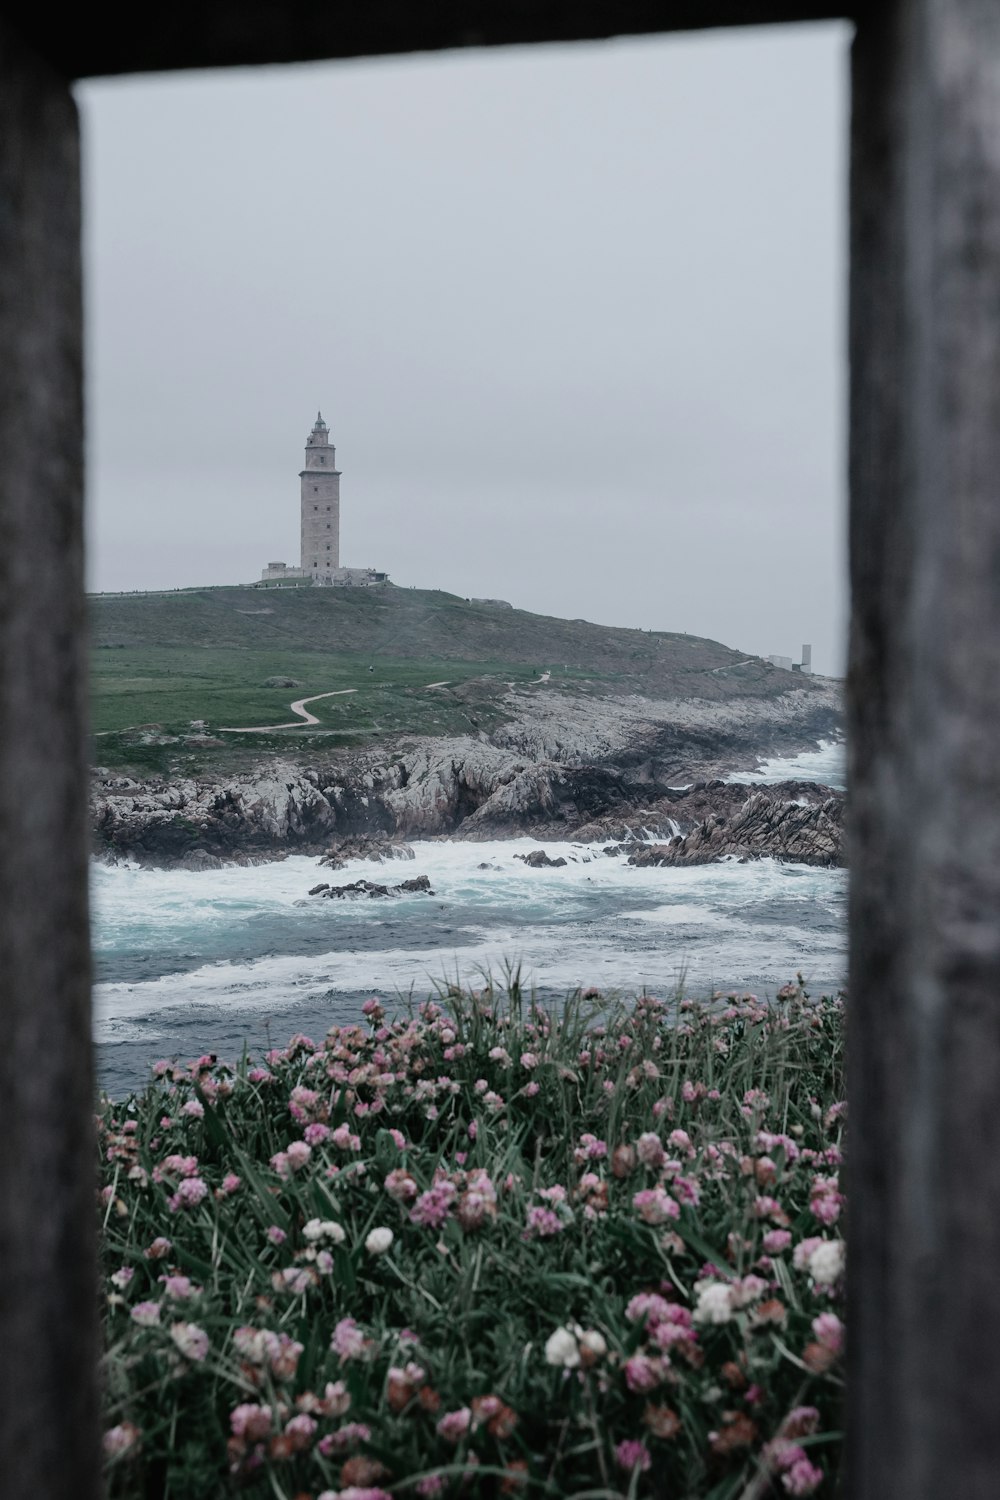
[319, 520]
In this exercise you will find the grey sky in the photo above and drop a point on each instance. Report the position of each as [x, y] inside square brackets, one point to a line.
[574, 315]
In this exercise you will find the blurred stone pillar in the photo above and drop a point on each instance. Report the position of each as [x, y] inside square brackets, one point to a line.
[924, 719]
[48, 1297]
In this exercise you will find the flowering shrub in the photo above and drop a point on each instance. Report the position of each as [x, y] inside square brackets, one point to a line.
[484, 1250]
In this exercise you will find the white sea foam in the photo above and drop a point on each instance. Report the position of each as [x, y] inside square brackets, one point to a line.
[826, 765]
[249, 939]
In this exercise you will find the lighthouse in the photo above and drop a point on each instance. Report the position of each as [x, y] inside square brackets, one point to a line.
[320, 497]
[319, 525]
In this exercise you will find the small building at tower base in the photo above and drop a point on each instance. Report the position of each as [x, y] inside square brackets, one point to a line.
[277, 575]
[319, 502]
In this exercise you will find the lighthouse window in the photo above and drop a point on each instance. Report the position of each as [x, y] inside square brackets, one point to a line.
[322, 460]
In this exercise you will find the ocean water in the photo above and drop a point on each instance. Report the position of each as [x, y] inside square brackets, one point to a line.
[209, 961]
[827, 765]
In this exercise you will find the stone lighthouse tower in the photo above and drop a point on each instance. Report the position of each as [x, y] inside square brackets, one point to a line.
[320, 505]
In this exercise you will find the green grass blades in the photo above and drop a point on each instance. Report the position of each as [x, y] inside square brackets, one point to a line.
[484, 1249]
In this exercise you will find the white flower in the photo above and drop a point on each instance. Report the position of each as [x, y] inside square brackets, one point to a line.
[715, 1302]
[591, 1342]
[561, 1348]
[191, 1340]
[378, 1241]
[826, 1264]
[324, 1229]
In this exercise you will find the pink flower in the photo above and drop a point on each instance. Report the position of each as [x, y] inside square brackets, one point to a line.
[294, 1279]
[649, 1149]
[829, 1331]
[250, 1421]
[347, 1436]
[345, 1140]
[433, 1207]
[316, 1133]
[543, 1222]
[632, 1455]
[400, 1185]
[767, 1141]
[298, 1154]
[230, 1183]
[648, 1305]
[146, 1314]
[455, 1424]
[190, 1192]
[160, 1248]
[348, 1340]
[825, 1199]
[432, 1484]
[398, 1139]
[655, 1206]
[175, 1166]
[118, 1440]
[302, 1102]
[276, 1234]
[194, 1108]
[191, 1340]
[283, 1354]
[529, 1060]
[769, 1208]
[355, 1492]
[179, 1287]
[590, 1148]
[776, 1240]
[642, 1373]
[686, 1190]
[802, 1478]
[301, 1430]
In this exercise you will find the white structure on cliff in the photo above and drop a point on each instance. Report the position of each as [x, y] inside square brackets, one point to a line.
[319, 522]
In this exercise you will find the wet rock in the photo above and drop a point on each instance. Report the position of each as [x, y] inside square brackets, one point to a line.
[605, 770]
[539, 860]
[364, 846]
[765, 827]
[371, 890]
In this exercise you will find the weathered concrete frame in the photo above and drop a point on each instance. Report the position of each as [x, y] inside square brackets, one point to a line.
[924, 689]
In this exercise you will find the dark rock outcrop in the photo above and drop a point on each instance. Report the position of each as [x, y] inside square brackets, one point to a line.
[764, 827]
[539, 860]
[363, 846]
[588, 770]
[368, 888]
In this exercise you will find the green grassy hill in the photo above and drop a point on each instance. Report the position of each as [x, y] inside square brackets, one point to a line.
[162, 660]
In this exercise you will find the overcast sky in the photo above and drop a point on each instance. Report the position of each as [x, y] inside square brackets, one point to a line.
[574, 315]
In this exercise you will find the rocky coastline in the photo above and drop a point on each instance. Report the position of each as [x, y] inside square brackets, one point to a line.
[620, 771]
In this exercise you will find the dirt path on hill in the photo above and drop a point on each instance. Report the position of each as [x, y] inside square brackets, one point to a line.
[298, 707]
